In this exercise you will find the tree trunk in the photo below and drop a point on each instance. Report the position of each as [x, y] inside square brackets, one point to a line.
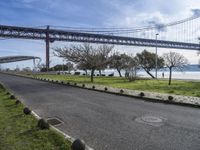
[170, 76]
[99, 72]
[150, 74]
[119, 72]
[92, 75]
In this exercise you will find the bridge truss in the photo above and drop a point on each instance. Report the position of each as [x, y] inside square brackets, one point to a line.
[9, 59]
[51, 35]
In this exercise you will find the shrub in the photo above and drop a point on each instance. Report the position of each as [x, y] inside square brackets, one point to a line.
[12, 97]
[17, 102]
[171, 91]
[121, 91]
[77, 73]
[170, 98]
[106, 89]
[27, 111]
[43, 124]
[141, 94]
[83, 85]
[111, 75]
[93, 87]
[7, 93]
[78, 145]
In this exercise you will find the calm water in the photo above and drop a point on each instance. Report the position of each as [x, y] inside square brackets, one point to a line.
[176, 75]
[189, 75]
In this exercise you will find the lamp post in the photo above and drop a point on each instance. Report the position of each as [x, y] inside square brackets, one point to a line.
[156, 56]
[199, 46]
[63, 66]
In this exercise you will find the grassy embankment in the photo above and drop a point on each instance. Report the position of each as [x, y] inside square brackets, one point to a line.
[178, 87]
[20, 132]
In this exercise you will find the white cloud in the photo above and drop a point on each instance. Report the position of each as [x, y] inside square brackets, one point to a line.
[138, 12]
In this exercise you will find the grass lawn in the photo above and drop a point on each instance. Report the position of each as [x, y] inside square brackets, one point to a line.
[177, 87]
[20, 132]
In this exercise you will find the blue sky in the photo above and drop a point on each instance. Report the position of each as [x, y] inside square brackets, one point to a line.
[88, 13]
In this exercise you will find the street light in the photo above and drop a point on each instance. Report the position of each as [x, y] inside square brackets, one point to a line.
[63, 66]
[199, 46]
[156, 56]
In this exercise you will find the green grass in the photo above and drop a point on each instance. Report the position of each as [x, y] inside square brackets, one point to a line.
[20, 132]
[161, 86]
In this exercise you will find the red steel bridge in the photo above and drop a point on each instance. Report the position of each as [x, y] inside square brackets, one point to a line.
[51, 35]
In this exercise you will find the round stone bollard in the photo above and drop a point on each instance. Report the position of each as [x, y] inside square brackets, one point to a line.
[12, 97]
[106, 89]
[78, 145]
[17, 102]
[27, 111]
[43, 124]
[141, 94]
[121, 91]
[170, 98]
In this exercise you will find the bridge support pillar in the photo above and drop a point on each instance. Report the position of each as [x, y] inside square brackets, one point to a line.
[47, 48]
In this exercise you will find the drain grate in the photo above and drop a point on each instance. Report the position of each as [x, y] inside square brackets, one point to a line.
[54, 121]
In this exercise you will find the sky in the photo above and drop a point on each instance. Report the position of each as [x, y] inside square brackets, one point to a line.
[89, 13]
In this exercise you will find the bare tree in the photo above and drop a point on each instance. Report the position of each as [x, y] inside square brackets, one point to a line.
[131, 69]
[174, 60]
[86, 56]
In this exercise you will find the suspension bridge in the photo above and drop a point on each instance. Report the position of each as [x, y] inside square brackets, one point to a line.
[17, 58]
[182, 34]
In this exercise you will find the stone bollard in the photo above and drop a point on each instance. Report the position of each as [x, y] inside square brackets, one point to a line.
[106, 89]
[78, 145]
[17, 102]
[83, 85]
[43, 124]
[27, 111]
[141, 94]
[12, 97]
[121, 91]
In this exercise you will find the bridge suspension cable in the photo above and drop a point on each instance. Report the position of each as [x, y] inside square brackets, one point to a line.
[115, 30]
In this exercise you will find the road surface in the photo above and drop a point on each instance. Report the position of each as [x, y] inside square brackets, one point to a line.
[110, 122]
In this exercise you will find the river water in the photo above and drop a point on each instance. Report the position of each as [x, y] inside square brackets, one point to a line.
[187, 75]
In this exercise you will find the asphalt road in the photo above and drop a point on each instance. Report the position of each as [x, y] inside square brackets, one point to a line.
[110, 122]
